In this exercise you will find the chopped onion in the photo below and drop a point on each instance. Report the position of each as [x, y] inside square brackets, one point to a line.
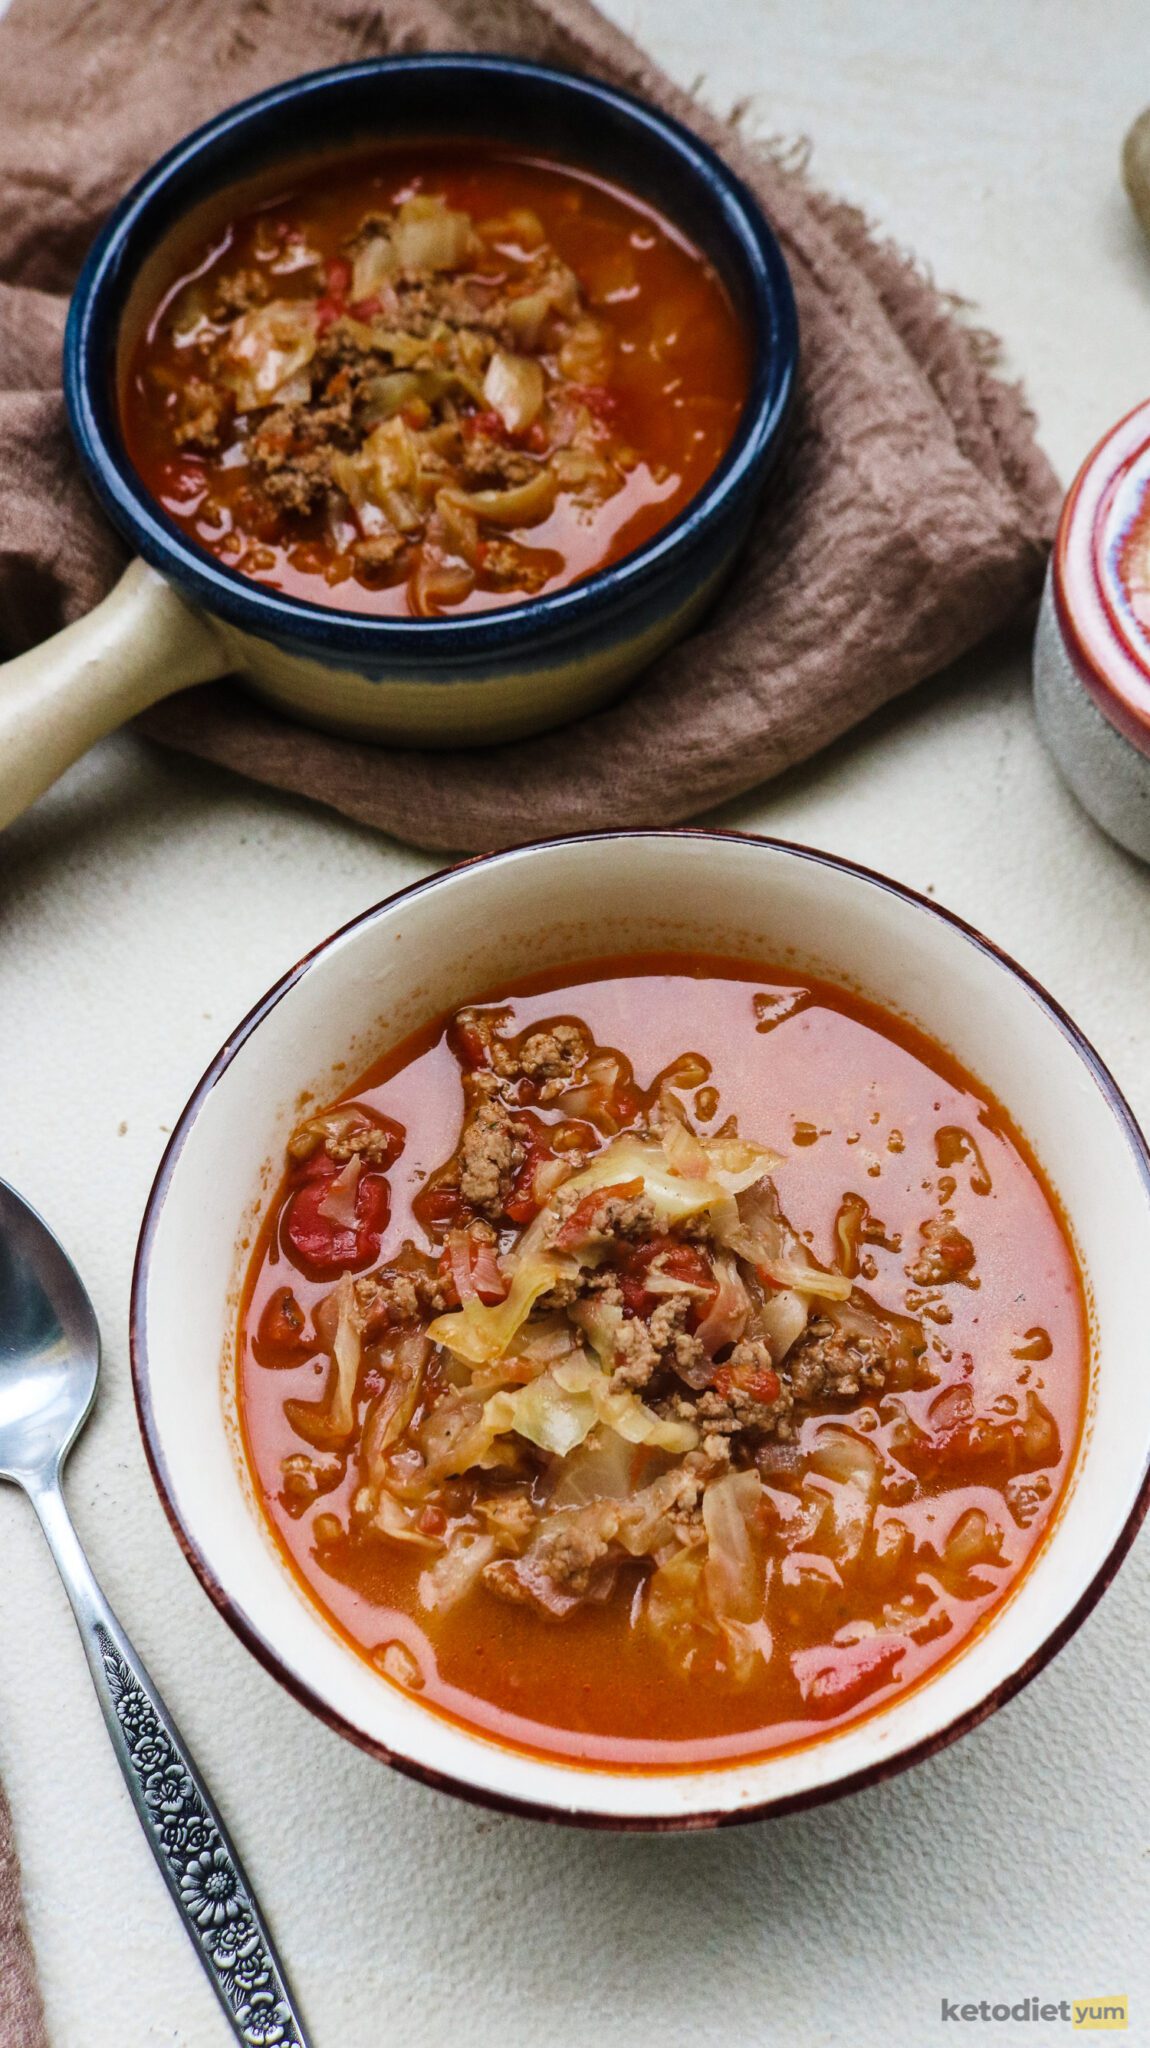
[781, 1320]
[392, 1410]
[339, 1204]
[726, 1319]
[347, 1350]
[459, 1252]
[549, 1175]
[390, 1519]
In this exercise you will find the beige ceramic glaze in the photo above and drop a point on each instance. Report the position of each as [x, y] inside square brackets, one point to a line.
[144, 643]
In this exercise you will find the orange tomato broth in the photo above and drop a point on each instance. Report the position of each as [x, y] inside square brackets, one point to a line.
[854, 1099]
[677, 390]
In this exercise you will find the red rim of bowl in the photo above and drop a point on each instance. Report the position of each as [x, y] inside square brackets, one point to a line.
[1108, 648]
[245, 1629]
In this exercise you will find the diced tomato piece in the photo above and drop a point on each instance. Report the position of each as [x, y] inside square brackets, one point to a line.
[183, 478]
[636, 1299]
[760, 1382]
[523, 1204]
[582, 1219]
[487, 423]
[365, 309]
[469, 1044]
[337, 275]
[327, 310]
[324, 1245]
[598, 400]
[432, 1521]
[681, 1261]
[281, 1337]
[439, 1209]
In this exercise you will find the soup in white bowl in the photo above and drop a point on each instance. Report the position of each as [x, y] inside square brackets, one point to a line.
[660, 1388]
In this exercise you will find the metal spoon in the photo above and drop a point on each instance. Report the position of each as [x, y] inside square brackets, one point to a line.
[49, 1358]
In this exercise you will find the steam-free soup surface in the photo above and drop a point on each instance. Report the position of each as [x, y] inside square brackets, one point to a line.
[662, 1361]
[434, 381]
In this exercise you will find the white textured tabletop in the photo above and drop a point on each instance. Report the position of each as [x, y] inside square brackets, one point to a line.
[146, 902]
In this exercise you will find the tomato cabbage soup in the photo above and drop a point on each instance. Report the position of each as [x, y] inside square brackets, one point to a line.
[435, 380]
[661, 1361]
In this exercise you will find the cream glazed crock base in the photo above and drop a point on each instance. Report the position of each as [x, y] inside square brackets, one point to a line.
[1107, 773]
[456, 936]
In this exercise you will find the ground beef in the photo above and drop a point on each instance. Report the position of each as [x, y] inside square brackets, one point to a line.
[290, 454]
[489, 464]
[945, 1255]
[204, 414]
[827, 1362]
[637, 1356]
[369, 1143]
[510, 1515]
[552, 1054]
[384, 551]
[506, 564]
[491, 1153]
[617, 1217]
[736, 1412]
[397, 1295]
[238, 293]
[643, 1349]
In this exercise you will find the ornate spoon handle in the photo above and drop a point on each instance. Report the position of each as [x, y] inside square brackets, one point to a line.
[176, 1810]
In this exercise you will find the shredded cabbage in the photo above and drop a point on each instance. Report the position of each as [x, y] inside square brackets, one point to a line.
[753, 1228]
[346, 1351]
[514, 387]
[558, 1410]
[267, 349]
[481, 1333]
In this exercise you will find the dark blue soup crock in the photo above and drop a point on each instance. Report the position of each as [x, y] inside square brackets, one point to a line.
[466, 679]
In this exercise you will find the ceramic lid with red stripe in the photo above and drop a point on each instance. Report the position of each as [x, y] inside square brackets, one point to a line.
[1101, 575]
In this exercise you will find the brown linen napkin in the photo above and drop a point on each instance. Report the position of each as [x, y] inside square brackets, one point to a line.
[21, 2013]
[912, 515]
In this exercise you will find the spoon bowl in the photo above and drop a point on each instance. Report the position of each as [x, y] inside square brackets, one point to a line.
[49, 1345]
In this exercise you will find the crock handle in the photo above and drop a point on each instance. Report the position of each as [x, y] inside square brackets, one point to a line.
[142, 643]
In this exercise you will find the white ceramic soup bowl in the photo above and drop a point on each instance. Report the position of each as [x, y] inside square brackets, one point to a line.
[455, 935]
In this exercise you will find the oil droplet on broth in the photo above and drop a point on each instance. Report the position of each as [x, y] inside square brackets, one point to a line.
[773, 1008]
[954, 1147]
[396, 1662]
[1035, 1344]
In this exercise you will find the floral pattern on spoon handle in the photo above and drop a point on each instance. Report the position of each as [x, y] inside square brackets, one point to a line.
[202, 1872]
